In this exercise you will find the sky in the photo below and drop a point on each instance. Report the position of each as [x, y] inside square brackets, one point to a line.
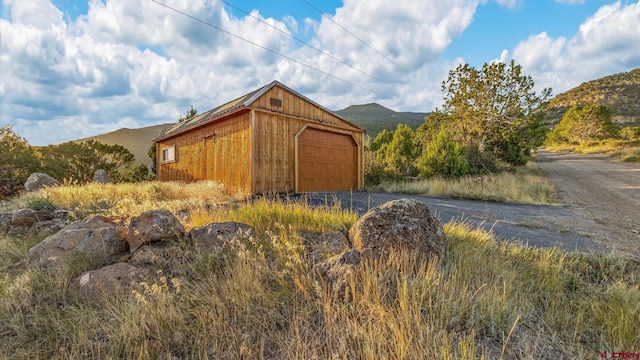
[73, 69]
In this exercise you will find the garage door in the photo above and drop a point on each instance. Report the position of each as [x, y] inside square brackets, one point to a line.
[327, 161]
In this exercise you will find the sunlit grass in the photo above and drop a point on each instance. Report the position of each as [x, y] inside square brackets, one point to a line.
[130, 199]
[486, 299]
[505, 187]
[627, 151]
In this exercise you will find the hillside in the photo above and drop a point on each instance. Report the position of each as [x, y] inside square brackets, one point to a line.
[374, 117]
[619, 92]
[137, 141]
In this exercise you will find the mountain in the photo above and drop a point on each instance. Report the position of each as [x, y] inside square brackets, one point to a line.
[137, 141]
[374, 118]
[619, 92]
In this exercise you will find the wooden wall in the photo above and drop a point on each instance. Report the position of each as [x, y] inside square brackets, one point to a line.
[253, 150]
[220, 151]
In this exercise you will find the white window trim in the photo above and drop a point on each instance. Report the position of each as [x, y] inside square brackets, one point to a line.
[169, 154]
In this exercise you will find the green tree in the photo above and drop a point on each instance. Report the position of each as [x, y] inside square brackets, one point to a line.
[443, 157]
[78, 161]
[428, 131]
[153, 155]
[18, 160]
[400, 153]
[581, 124]
[188, 115]
[383, 137]
[488, 106]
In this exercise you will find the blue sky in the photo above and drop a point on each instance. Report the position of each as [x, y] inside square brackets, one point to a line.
[85, 68]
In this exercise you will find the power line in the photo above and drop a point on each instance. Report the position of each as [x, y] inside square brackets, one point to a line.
[354, 35]
[304, 43]
[265, 48]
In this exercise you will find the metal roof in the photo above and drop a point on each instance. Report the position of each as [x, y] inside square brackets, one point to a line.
[241, 102]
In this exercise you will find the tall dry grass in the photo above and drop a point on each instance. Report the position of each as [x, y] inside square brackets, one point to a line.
[486, 299]
[520, 187]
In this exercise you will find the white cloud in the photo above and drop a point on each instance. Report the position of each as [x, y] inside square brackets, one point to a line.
[605, 43]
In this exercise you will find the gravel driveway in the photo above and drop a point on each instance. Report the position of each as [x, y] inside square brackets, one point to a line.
[599, 210]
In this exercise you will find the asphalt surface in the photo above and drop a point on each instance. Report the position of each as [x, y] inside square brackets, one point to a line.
[535, 225]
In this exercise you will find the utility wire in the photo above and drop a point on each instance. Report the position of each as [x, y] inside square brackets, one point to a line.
[265, 48]
[304, 43]
[354, 35]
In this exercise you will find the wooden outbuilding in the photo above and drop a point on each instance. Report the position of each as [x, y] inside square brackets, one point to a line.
[272, 139]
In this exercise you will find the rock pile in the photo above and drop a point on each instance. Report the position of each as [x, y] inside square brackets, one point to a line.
[126, 255]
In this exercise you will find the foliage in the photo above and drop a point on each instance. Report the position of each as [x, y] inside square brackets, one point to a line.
[619, 92]
[491, 106]
[400, 153]
[431, 127]
[18, 160]
[188, 115]
[153, 155]
[443, 157]
[78, 161]
[629, 133]
[375, 171]
[41, 203]
[480, 162]
[383, 137]
[582, 124]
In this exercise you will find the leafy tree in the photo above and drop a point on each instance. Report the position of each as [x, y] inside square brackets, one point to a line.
[18, 160]
[581, 124]
[383, 137]
[400, 153]
[443, 157]
[488, 106]
[189, 114]
[78, 161]
[428, 131]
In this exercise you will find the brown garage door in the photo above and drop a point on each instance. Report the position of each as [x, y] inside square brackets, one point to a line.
[326, 161]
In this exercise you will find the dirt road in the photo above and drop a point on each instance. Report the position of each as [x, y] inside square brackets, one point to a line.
[600, 189]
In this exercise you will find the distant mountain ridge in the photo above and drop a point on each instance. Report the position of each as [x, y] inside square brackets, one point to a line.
[375, 117]
[619, 92]
[137, 141]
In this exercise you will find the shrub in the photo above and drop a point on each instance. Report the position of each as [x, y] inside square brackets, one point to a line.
[443, 157]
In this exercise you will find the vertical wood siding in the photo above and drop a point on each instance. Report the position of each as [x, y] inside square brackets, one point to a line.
[219, 152]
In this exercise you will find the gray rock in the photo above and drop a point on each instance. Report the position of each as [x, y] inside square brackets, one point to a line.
[325, 245]
[218, 237]
[37, 181]
[403, 224]
[98, 238]
[100, 285]
[5, 222]
[153, 226]
[48, 227]
[28, 217]
[101, 176]
[337, 272]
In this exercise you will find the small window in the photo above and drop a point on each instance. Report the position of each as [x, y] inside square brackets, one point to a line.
[169, 154]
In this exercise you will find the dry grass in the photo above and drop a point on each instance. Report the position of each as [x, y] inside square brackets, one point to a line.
[486, 299]
[627, 151]
[129, 199]
[520, 187]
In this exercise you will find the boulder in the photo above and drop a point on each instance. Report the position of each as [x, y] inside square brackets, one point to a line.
[399, 224]
[99, 285]
[28, 217]
[218, 237]
[5, 222]
[99, 238]
[101, 176]
[37, 181]
[48, 227]
[324, 245]
[153, 226]
[337, 271]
